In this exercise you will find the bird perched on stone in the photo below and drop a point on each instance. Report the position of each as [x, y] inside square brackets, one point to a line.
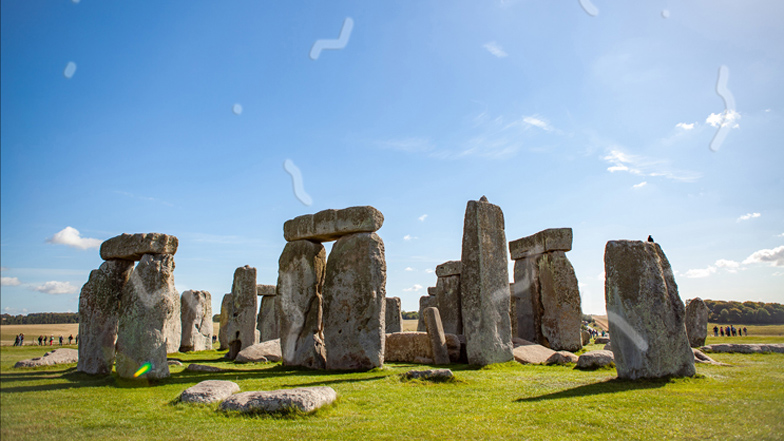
[650, 239]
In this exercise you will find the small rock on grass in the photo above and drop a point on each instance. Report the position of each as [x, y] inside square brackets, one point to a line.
[203, 368]
[57, 356]
[304, 399]
[595, 360]
[209, 391]
[562, 357]
[430, 374]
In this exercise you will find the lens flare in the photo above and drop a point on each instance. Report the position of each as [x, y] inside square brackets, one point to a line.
[143, 370]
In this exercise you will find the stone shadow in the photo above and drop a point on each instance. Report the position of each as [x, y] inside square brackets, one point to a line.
[605, 387]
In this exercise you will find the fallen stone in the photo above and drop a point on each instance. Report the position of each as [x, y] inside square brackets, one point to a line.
[552, 239]
[266, 290]
[484, 285]
[268, 351]
[700, 357]
[223, 336]
[134, 246]
[744, 348]
[562, 357]
[99, 306]
[57, 356]
[329, 225]
[425, 302]
[595, 360]
[174, 362]
[196, 316]
[267, 322]
[645, 312]
[209, 391]
[696, 322]
[435, 333]
[413, 347]
[204, 368]
[304, 399]
[532, 354]
[601, 340]
[450, 268]
[448, 302]
[430, 375]
[393, 315]
[241, 327]
[301, 271]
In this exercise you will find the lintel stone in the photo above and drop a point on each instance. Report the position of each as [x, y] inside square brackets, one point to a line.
[552, 239]
[449, 268]
[266, 290]
[134, 246]
[329, 225]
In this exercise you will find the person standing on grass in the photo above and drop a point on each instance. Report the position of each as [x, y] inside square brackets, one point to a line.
[51, 339]
[715, 331]
[722, 332]
[77, 339]
[21, 339]
[70, 339]
[16, 340]
[40, 337]
[61, 340]
[745, 332]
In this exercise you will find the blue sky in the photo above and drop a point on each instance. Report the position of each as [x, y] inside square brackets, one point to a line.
[178, 117]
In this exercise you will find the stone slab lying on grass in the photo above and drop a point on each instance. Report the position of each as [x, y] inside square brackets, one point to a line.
[744, 348]
[209, 391]
[203, 368]
[260, 352]
[532, 354]
[58, 356]
[601, 340]
[700, 357]
[304, 399]
[134, 246]
[595, 359]
[430, 374]
[562, 357]
[174, 362]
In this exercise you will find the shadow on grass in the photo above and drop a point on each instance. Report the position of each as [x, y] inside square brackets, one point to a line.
[605, 387]
[75, 380]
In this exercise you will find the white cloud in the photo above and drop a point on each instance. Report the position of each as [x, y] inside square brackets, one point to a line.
[407, 237]
[55, 288]
[700, 273]
[685, 126]
[70, 236]
[748, 216]
[640, 185]
[408, 268]
[422, 218]
[780, 235]
[729, 265]
[9, 281]
[774, 257]
[429, 271]
[726, 118]
[416, 287]
[537, 122]
[643, 166]
[495, 49]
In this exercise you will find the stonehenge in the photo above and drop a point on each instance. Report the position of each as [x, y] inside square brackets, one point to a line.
[393, 315]
[268, 321]
[223, 337]
[547, 299]
[196, 321]
[448, 296]
[241, 329]
[696, 322]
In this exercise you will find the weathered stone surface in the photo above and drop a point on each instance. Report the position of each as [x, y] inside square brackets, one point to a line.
[268, 351]
[448, 301]
[57, 356]
[562, 357]
[425, 302]
[745, 348]
[171, 362]
[301, 272]
[432, 291]
[585, 336]
[700, 357]
[149, 325]
[393, 315]
[552, 239]
[223, 331]
[196, 314]
[268, 322]
[99, 304]
[304, 399]
[354, 292]
[450, 268]
[134, 246]
[415, 347]
[595, 359]
[484, 285]
[532, 354]
[608, 347]
[193, 367]
[601, 340]
[209, 391]
[696, 322]
[329, 225]
[241, 329]
[435, 332]
[560, 302]
[525, 287]
[430, 375]
[266, 290]
[645, 313]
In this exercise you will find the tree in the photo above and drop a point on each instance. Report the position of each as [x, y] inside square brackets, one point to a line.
[763, 316]
[724, 316]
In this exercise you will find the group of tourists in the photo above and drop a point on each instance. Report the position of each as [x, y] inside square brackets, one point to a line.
[730, 331]
[19, 340]
[42, 340]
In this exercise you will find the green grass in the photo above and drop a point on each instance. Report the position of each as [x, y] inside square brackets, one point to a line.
[506, 401]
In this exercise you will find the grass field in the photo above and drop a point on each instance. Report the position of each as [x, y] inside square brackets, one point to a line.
[508, 401]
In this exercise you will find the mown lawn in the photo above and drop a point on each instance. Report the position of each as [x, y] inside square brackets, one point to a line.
[508, 401]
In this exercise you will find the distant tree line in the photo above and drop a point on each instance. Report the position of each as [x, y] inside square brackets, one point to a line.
[747, 312]
[410, 315]
[40, 318]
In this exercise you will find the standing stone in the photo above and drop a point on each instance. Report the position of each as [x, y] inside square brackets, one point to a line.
[512, 310]
[696, 322]
[241, 329]
[484, 285]
[448, 295]
[436, 334]
[148, 305]
[560, 303]
[354, 292]
[301, 270]
[196, 321]
[267, 320]
[99, 305]
[645, 313]
[425, 302]
[223, 332]
[525, 287]
[393, 315]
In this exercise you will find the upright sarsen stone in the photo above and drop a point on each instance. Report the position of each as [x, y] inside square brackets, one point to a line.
[484, 285]
[425, 302]
[223, 331]
[196, 321]
[448, 295]
[393, 315]
[645, 313]
[354, 292]
[435, 332]
[268, 323]
[559, 297]
[301, 272]
[696, 322]
[524, 290]
[148, 306]
[241, 328]
[99, 304]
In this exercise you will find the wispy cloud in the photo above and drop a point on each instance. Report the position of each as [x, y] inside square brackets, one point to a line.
[684, 126]
[729, 265]
[408, 268]
[495, 49]
[422, 218]
[728, 118]
[774, 257]
[70, 236]
[700, 273]
[748, 216]
[429, 271]
[407, 237]
[9, 281]
[415, 288]
[56, 288]
[411, 145]
[640, 185]
[644, 166]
